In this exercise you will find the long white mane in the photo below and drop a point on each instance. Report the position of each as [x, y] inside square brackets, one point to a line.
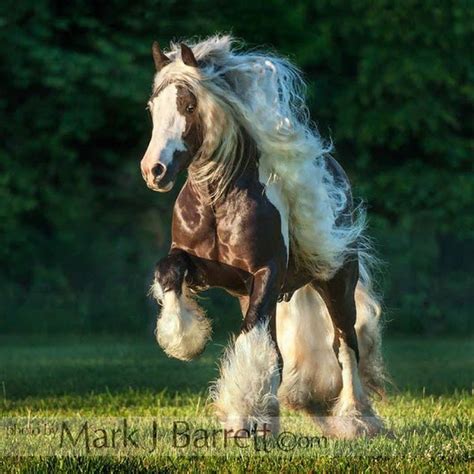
[264, 96]
[264, 93]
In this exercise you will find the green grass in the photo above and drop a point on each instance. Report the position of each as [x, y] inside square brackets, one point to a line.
[428, 409]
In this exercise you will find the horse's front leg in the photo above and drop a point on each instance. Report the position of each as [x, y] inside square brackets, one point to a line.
[182, 329]
[245, 394]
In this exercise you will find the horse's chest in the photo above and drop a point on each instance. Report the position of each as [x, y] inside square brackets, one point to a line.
[225, 237]
[244, 231]
[194, 227]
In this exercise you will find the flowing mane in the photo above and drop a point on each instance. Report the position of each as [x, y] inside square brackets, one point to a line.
[262, 96]
[262, 93]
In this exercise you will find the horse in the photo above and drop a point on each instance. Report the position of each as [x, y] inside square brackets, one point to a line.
[267, 214]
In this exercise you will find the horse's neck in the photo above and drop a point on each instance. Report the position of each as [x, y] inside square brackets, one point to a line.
[245, 176]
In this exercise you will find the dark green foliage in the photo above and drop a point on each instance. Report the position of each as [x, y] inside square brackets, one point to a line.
[390, 82]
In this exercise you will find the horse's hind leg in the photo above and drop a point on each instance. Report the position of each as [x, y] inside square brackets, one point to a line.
[182, 329]
[352, 413]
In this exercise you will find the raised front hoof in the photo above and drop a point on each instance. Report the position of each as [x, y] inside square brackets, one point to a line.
[183, 354]
[182, 329]
[183, 341]
[352, 427]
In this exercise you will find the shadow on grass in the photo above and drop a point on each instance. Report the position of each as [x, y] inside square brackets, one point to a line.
[42, 367]
[66, 366]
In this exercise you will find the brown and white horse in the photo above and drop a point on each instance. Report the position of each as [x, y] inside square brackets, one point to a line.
[267, 214]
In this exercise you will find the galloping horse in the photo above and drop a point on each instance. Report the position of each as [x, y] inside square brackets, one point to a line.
[267, 214]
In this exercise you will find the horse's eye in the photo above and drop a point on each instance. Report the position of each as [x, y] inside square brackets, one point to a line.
[190, 109]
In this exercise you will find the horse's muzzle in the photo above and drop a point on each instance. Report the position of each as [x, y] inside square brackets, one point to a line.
[163, 177]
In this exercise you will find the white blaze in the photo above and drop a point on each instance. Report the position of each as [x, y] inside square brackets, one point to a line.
[168, 126]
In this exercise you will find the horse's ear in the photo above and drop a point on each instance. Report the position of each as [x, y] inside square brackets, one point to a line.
[187, 56]
[160, 58]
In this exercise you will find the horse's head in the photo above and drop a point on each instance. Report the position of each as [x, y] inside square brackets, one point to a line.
[176, 135]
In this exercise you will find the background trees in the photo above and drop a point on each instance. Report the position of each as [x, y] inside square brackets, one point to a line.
[391, 83]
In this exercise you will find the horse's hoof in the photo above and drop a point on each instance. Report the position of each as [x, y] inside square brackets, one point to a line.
[353, 427]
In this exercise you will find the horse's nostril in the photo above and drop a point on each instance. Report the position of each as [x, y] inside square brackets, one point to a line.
[158, 171]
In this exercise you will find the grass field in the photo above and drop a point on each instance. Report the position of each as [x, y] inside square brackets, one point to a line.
[429, 408]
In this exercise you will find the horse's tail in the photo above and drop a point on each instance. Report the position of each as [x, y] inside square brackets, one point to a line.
[311, 372]
[368, 328]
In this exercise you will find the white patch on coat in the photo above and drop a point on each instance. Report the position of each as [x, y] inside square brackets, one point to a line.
[275, 196]
[168, 126]
[182, 329]
[312, 375]
[305, 334]
[245, 393]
